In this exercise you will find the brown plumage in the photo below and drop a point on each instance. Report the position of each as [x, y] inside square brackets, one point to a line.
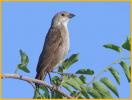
[56, 45]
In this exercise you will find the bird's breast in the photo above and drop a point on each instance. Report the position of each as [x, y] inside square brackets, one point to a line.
[66, 39]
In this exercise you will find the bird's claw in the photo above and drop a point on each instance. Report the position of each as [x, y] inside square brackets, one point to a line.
[54, 87]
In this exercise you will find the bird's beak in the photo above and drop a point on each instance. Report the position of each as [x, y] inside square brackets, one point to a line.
[71, 15]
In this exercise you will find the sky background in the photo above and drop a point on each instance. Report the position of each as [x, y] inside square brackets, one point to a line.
[24, 26]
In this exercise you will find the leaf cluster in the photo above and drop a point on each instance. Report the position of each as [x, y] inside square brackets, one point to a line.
[76, 84]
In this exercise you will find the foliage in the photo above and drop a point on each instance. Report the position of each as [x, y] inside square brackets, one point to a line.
[24, 62]
[76, 84]
[113, 47]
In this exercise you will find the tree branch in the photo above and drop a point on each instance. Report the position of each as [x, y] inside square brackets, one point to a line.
[31, 80]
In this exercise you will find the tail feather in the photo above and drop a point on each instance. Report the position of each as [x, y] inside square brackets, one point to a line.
[40, 76]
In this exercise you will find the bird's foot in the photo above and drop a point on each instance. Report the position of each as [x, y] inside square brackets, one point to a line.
[55, 87]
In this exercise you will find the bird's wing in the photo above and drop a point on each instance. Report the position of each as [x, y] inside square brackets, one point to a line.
[52, 42]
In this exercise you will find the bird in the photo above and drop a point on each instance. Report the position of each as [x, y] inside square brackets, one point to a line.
[56, 44]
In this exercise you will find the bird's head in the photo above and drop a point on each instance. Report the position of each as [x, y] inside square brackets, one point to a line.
[62, 18]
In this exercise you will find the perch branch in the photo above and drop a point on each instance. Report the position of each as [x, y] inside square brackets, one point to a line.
[31, 80]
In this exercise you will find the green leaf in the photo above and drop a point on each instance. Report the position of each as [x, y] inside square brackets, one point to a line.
[82, 78]
[130, 70]
[126, 44]
[73, 81]
[76, 83]
[67, 87]
[68, 62]
[84, 91]
[85, 71]
[24, 61]
[77, 80]
[56, 80]
[102, 90]
[115, 74]
[23, 68]
[37, 95]
[93, 92]
[46, 91]
[24, 58]
[60, 69]
[74, 94]
[57, 95]
[125, 69]
[110, 85]
[113, 47]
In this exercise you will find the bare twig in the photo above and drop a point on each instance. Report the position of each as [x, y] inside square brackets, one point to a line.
[52, 92]
[31, 80]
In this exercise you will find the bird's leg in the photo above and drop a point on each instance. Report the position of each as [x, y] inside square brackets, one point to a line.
[54, 86]
[52, 90]
[50, 83]
[50, 78]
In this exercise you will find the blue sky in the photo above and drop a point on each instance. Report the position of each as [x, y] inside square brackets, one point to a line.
[24, 26]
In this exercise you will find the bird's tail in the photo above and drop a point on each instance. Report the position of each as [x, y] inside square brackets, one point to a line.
[40, 76]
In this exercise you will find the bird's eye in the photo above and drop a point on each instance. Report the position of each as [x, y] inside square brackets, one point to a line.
[62, 14]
